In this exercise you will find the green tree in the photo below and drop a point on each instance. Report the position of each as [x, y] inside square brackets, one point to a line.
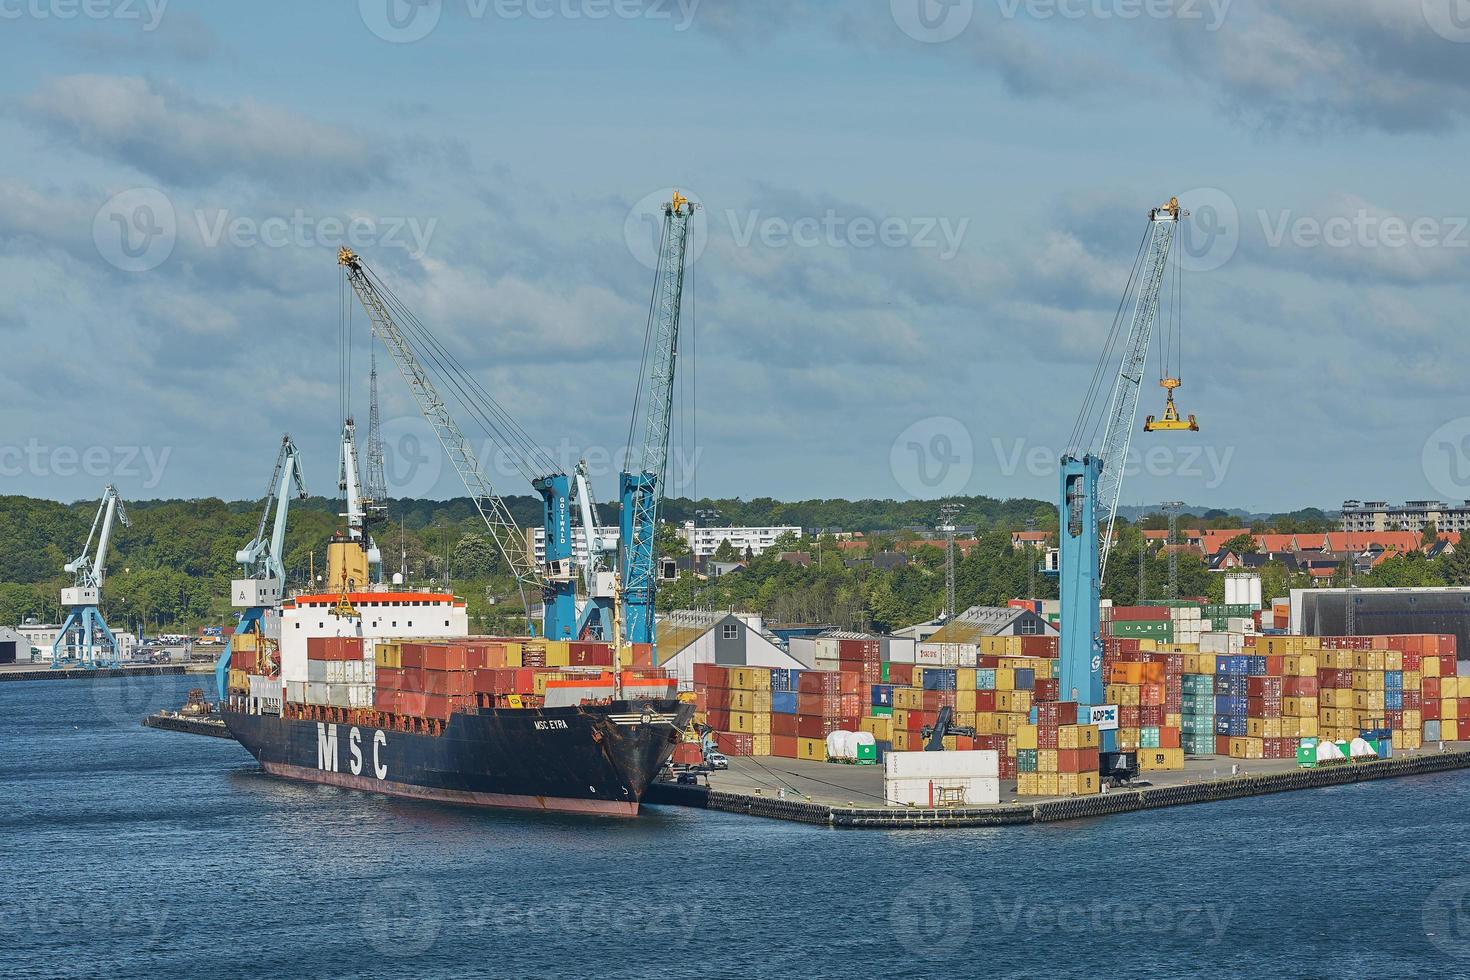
[726, 552]
[1455, 566]
[1242, 544]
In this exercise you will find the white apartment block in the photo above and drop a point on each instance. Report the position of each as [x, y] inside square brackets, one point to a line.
[704, 541]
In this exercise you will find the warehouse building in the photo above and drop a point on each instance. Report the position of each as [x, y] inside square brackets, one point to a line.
[730, 639]
[1383, 612]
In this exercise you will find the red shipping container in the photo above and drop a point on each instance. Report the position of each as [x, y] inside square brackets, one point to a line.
[1039, 646]
[812, 726]
[412, 654]
[1077, 760]
[984, 700]
[1263, 687]
[687, 754]
[1150, 715]
[1057, 713]
[1141, 613]
[734, 743]
[450, 683]
[386, 699]
[784, 725]
[316, 648]
[1299, 687]
[934, 700]
[986, 663]
[583, 654]
[1168, 737]
[1046, 736]
[1222, 744]
[901, 675]
[1046, 690]
[719, 719]
[784, 746]
[412, 679]
[919, 720]
[388, 679]
[1263, 707]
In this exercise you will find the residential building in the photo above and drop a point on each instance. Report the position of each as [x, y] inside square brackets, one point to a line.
[1413, 515]
[704, 541]
[536, 542]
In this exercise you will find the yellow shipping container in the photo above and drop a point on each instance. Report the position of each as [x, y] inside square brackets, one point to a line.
[1368, 700]
[1173, 720]
[900, 718]
[1005, 700]
[760, 745]
[1299, 665]
[1122, 694]
[1158, 760]
[1413, 718]
[1046, 760]
[908, 698]
[812, 748]
[1007, 723]
[1413, 680]
[1026, 737]
[880, 728]
[1022, 702]
[1077, 736]
[1026, 784]
[750, 723]
[965, 719]
[1299, 707]
[1246, 748]
[1449, 731]
[964, 701]
[1005, 678]
[1299, 727]
[1047, 784]
[1077, 783]
[1128, 738]
[1430, 667]
[964, 679]
[1409, 738]
[744, 700]
[900, 740]
[515, 655]
[1449, 709]
[985, 723]
[238, 680]
[243, 642]
[1449, 687]
[389, 656]
[558, 653]
[1263, 727]
[1393, 660]
[951, 743]
[1335, 697]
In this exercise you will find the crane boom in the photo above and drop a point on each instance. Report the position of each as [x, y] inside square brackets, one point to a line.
[641, 489]
[1123, 406]
[504, 531]
[84, 635]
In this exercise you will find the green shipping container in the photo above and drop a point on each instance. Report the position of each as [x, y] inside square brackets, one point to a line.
[867, 755]
[886, 712]
[883, 673]
[1306, 753]
[1026, 760]
[1198, 744]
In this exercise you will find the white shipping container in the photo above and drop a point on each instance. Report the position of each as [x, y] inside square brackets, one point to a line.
[336, 672]
[931, 765]
[296, 691]
[1221, 643]
[265, 687]
[902, 653]
[317, 671]
[1240, 624]
[945, 790]
[318, 693]
[927, 655]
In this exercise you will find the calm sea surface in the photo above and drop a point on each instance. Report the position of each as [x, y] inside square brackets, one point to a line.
[130, 852]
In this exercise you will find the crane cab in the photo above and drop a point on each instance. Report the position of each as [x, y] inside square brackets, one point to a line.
[1170, 422]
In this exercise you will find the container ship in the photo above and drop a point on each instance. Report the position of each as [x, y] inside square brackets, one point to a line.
[387, 691]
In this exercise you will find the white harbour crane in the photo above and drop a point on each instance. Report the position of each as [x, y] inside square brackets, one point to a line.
[84, 638]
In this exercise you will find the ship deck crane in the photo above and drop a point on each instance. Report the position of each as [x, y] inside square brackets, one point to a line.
[261, 591]
[84, 635]
[599, 582]
[641, 485]
[426, 365]
[1092, 469]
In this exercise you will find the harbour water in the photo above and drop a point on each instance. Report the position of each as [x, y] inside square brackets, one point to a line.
[126, 851]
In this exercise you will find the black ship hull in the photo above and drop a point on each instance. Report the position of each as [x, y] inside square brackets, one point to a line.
[595, 759]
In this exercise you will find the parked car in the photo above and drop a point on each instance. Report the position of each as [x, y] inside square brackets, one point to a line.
[717, 760]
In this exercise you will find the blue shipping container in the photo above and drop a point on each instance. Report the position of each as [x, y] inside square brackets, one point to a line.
[1257, 666]
[1234, 685]
[939, 678]
[1025, 679]
[1229, 725]
[1226, 704]
[783, 702]
[784, 678]
[985, 679]
[883, 695]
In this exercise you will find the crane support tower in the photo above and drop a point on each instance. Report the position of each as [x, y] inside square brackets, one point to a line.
[263, 588]
[84, 638]
[1092, 472]
[641, 485]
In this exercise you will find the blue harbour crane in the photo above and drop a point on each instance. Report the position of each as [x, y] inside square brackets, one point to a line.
[84, 638]
[641, 485]
[431, 371]
[1093, 467]
[261, 590]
